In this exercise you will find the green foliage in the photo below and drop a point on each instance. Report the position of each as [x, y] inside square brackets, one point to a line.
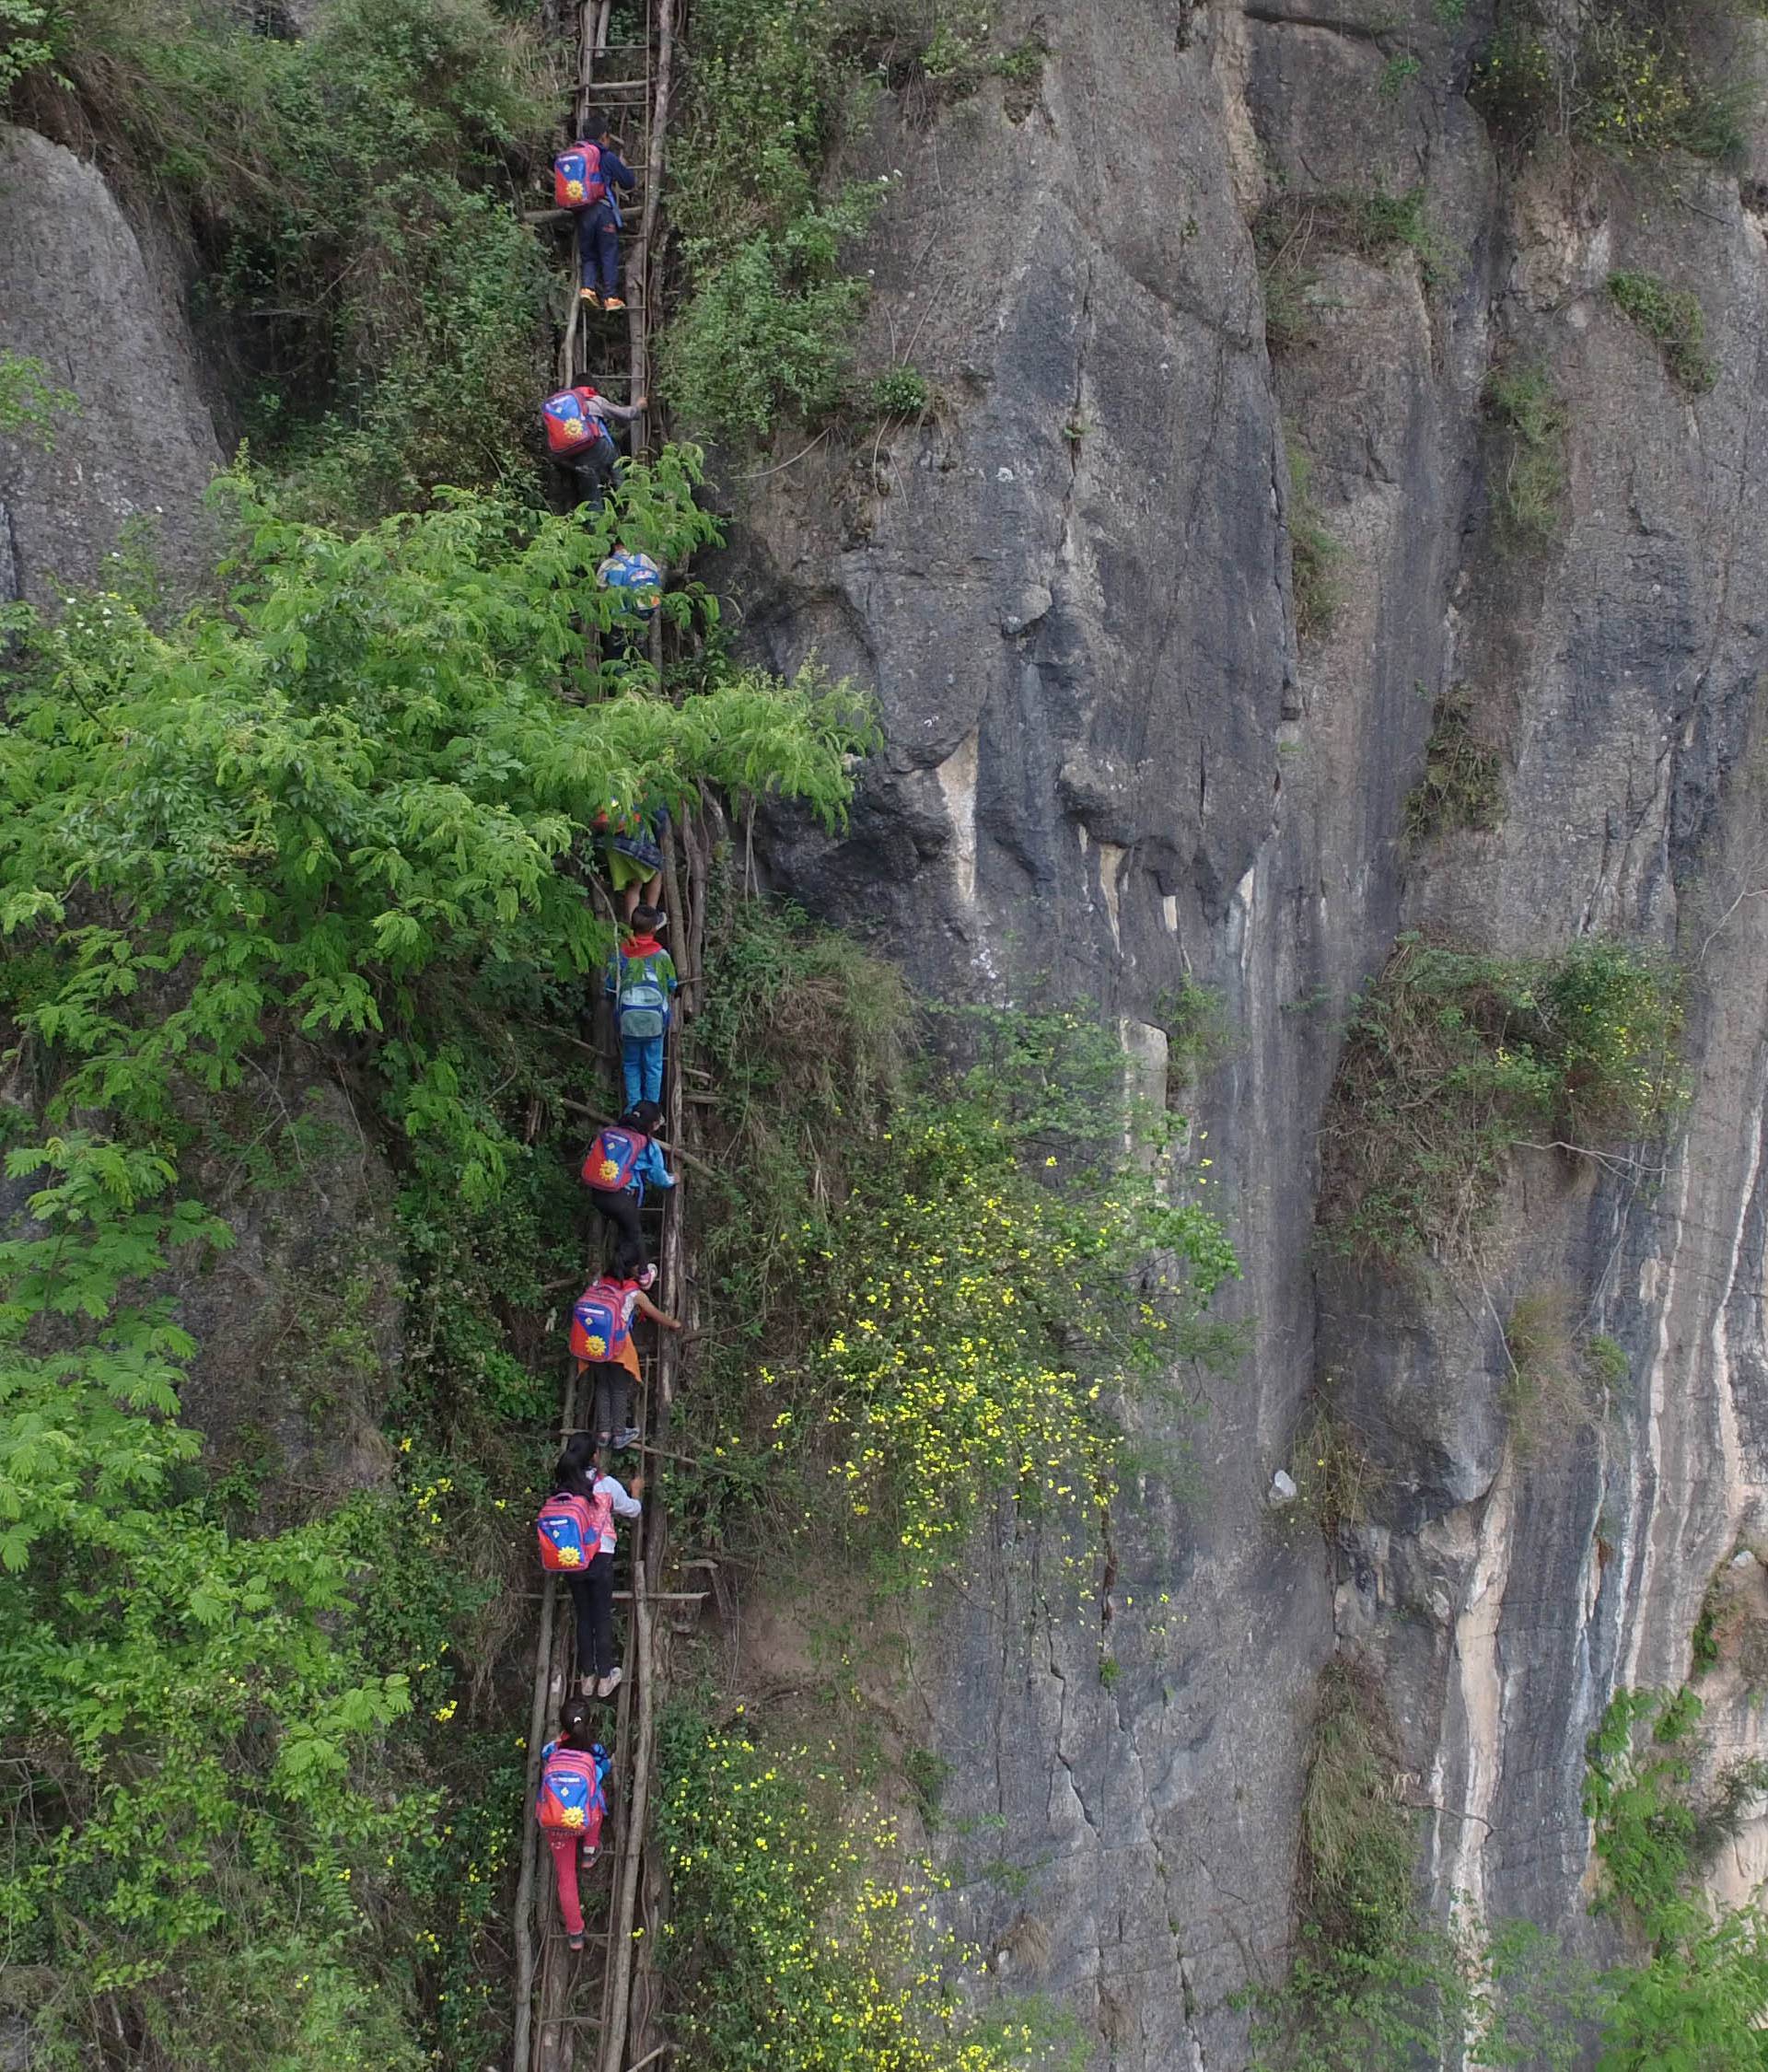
[1396, 76]
[1313, 552]
[1021, 68]
[1199, 1034]
[1462, 785]
[1698, 2002]
[775, 86]
[354, 791]
[805, 1039]
[1295, 231]
[1453, 1057]
[1531, 420]
[1358, 1843]
[30, 402]
[1512, 1995]
[1554, 1388]
[798, 1934]
[1733, 1624]
[348, 189]
[1673, 320]
[943, 1287]
[957, 55]
[1641, 93]
[1334, 1472]
[899, 391]
[764, 327]
[1648, 80]
[1376, 1987]
[1516, 84]
[29, 41]
[207, 1818]
[1287, 283]
[246, 1824]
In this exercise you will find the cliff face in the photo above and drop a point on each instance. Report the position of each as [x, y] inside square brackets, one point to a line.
[103, 313]
[1110, 766]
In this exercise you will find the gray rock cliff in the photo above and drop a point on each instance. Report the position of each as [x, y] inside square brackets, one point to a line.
[80, 294]
[1110, 767]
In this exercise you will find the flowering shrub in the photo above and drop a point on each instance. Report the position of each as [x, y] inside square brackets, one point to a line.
[1634, 88]
[968, 1281]
[800, 1938]
[983, 1322]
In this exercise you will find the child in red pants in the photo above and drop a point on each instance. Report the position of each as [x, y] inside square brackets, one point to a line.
[571, 1806]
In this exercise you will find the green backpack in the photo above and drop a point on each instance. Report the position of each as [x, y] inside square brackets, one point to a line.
[643, 1003]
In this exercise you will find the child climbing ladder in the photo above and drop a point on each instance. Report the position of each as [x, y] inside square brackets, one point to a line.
[588, 176]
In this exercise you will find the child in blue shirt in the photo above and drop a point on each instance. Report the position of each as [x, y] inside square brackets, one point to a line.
[641, 982]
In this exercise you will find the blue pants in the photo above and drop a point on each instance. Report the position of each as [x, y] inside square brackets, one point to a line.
[641, 1065]
[598, 247]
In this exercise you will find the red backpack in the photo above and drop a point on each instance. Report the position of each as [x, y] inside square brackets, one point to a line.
[571, 1530]
[576, 177]
[612, 1161]
[600, 1326]
[571, 1800]
[570, 428]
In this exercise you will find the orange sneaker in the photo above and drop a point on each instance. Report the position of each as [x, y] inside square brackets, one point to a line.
[613, 302]
[590, 296]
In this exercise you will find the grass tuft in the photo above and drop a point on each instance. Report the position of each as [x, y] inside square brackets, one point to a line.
[1358, 1847]
[1529, 488]
[1313, 552]
[1463, 783]
[1557, 1379]
[1673, 320]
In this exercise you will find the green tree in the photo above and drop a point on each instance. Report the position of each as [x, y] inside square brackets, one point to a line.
[346, 804]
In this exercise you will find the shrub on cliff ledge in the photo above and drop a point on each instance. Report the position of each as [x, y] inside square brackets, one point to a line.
[348, 191]
[1673, 320]
[1648, 79]
[1454, 1058]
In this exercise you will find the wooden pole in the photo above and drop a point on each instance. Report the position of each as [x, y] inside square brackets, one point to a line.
[530, 1832]
[620, 1952]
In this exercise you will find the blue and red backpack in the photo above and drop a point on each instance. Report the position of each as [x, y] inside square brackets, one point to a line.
[613, 1160]
[576, 177]
[599, 1321]
[571, 1531]
[570, 428]
[571, 1799]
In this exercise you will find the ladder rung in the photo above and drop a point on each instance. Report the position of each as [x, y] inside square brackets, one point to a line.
[665, 1596]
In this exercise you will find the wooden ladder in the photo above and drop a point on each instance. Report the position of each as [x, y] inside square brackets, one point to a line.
[630, 82]
[574, 2012]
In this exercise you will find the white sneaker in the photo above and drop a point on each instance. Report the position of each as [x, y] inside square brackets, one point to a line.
[609, 1685]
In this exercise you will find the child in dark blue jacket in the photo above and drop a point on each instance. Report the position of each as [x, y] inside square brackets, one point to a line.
[599, 224]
